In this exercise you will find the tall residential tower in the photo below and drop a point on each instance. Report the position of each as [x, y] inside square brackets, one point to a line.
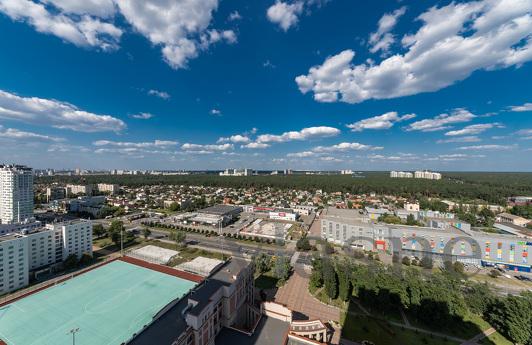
[16, 193]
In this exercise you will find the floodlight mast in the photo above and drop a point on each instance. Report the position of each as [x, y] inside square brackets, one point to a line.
[73, 331]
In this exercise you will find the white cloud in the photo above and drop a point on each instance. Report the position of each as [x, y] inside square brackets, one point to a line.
[490, 147]
[80, 29]
[383, 121]
[304, 134]
[235, 15]
[525, 134]
[284, 14]
[330, 159]
[466, 139]
[57, 114]
[179, 27]
[98, 8]
[255, 146]
[216, 112]
[382, 39]
[158, 93]
[15, 134]
[453, 42]
[142, 116]
[474, 129]
[346, 147]
[521, 108]
[205, 148]
[441, 121]
[237, 139]
[155, 143]
[303, 154]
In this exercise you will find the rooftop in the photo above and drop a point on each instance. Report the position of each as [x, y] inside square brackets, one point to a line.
[220, 210]
[269, 331]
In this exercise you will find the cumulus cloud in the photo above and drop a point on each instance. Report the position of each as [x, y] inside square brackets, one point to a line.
[285, 14]
[155, 143]
[237, 139]
[383, 121]
[215, 112]
[466, 139]
[40, 111]
[15, 134]
[442, 121]
[304, 134]
[346, 147]
[181, 28]
[474, 129]
[452, 42]
[490, 147]
[235, 15]
[159, 93]
[303, 154]
[255, 146]
[81, 28]
[521, 108]
[205, 148]
[382, 39]
[525, 134]
[142, 116]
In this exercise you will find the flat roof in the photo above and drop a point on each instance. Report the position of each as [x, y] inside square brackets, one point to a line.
[108, 305]
[269, 331]
[200, 265]
[153, 253]
[220, 209]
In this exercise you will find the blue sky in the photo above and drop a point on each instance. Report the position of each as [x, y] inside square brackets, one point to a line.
[303, 84]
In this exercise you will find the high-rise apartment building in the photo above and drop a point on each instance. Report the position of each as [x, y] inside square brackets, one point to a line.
[16, 193]
[14, 262]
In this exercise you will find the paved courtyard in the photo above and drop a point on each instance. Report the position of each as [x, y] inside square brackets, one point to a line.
[295, 295]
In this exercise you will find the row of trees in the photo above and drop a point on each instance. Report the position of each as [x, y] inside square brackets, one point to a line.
[489, 187]
[438, 300]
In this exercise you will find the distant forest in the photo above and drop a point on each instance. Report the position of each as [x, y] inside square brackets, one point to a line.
[466, 187]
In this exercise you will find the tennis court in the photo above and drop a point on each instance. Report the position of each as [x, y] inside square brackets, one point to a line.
[108, 305]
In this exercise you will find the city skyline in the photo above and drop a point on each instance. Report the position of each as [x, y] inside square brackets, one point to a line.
[303, 85]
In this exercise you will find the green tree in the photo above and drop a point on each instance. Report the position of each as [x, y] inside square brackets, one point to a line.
[512, 316]
[70, 262]
[282, 269]
[262, 263]
[344, 281]
[98, 230]
[174, 207]
[406, 261]
[303, 244]
[85, 259]
[146, 232]
[330, 279]
[411, 220]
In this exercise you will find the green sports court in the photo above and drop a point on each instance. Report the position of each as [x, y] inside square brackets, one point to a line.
[108, 305]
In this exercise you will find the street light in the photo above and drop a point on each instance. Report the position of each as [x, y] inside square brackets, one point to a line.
[73, 331]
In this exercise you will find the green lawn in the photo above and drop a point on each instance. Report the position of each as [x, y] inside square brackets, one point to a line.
[185, 253]
[358, 328]
[495, 339]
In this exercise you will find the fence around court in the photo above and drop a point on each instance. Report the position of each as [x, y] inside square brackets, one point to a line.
[11, 297]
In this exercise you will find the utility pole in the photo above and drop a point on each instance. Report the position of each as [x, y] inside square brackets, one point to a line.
[220, 235]
[122, 241]
[73, 331]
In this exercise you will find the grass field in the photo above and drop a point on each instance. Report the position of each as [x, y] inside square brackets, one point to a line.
[358, 328]
[108, 305]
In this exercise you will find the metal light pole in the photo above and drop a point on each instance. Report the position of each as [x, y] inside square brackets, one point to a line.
[122, 242]
[73, 331]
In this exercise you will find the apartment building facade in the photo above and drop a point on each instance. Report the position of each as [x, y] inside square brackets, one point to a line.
[16, 194]
[14, 263]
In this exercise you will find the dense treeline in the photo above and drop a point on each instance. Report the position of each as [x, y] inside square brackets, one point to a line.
[440, 301]
[468, 187]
